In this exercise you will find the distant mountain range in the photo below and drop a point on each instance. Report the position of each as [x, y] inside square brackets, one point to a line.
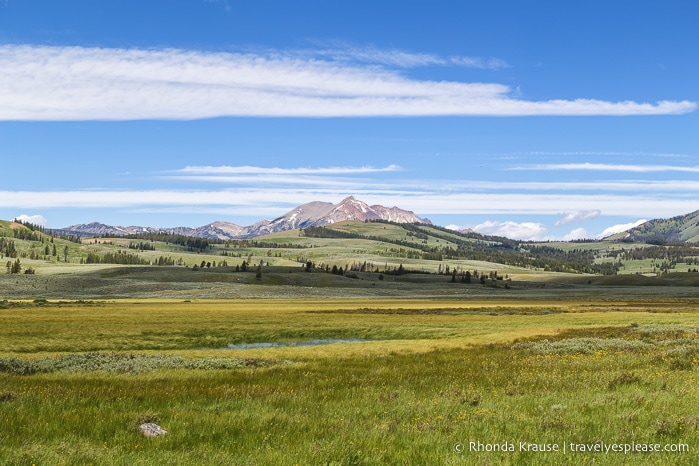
[307, 215]
[683, 228]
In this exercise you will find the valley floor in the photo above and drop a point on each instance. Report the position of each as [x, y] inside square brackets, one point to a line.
[140, 282]
[344, 381]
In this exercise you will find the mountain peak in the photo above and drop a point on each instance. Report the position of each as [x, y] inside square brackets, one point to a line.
[312, 214]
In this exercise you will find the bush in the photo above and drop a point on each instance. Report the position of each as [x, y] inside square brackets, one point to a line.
[586, 345]
[120, 363]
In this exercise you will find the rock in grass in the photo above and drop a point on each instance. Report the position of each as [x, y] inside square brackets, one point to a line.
[152, 430]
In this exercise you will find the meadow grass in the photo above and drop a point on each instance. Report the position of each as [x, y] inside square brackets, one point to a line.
[150, 325]
[432, 375]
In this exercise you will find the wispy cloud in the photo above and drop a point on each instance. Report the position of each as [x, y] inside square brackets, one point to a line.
[252, 191]
[251, 170]
[248, 201]
[342, 51]
[79, 83]
[578, 216]
[609, 167]
[478, 62]
[349, 178]
[595, 154]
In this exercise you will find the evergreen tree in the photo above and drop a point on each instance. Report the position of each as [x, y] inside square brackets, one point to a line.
[16, 267]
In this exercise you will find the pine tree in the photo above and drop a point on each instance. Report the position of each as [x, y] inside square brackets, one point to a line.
[16, 267]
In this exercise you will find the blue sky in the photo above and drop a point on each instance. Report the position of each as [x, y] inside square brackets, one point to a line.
[534, 120]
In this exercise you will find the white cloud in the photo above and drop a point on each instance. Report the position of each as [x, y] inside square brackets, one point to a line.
[249, 170]
[394, 58]
[79, 83]
[34, 219]
[578, 233]
[346, 52]
[580, 215]
[319, 177]
[668, 186]
[610, 167]
[327, 176]
[477, 62]
[599, 154]
[614, 229]
[421, 202]
[527, 231]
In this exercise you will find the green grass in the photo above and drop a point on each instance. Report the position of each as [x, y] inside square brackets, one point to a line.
[76, 378]
[60, 327]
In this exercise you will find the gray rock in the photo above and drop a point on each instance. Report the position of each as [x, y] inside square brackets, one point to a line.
[152, 430]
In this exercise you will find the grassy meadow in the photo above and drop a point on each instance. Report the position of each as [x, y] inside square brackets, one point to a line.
[349, 381]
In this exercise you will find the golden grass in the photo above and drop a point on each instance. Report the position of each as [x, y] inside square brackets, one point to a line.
[204, 327]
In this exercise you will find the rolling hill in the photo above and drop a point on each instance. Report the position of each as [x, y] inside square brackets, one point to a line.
[680, 229]
[319, 233]
[371, 257]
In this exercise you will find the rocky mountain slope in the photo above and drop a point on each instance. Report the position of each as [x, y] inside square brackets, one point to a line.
[306, 215]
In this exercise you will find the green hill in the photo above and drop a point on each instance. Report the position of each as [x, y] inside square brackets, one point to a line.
[680, 229]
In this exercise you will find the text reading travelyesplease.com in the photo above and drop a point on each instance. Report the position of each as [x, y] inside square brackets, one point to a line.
[571, 447]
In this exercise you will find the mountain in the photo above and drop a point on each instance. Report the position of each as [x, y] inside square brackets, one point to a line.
[216, 230]
[315, 214]
[312, 214]
[683, 228]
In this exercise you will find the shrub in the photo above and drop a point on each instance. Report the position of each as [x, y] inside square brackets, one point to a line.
[119, 363]
[584, 345]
